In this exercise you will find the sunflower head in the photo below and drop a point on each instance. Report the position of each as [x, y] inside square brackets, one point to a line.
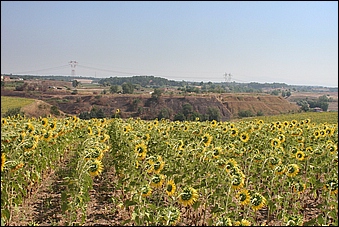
[44, 122]
[275, 142]
[238, 181]
[273, 161]
[243, 197]
[158, 165]
[244, 137]
[279, 169]
[216, 152]
[206, 139]
[95, 168]
[157, 180]
[299, 187]
[257, 201]
[293, 220]
[146, 191]
[170, 187]
[230, 164]
[300, 156]
[140, 151]
[292, 170]
[170, 216]
[331, 186]
[188, 196]
[3, 121]
[224, 221]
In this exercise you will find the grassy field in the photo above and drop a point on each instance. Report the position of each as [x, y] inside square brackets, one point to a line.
[13, 102]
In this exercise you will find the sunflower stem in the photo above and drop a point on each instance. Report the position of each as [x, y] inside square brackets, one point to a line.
[228, 193]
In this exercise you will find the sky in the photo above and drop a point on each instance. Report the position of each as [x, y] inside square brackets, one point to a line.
[266, 42]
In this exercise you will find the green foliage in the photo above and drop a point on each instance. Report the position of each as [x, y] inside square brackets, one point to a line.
[114, 89]
[94, 113]
[245, 113]
[164, 114]
[213, 114]
[13, 112]
[55, 111]
[304, 105]
[128, 88]
[156, 94]
[75, 83]
[260, 113]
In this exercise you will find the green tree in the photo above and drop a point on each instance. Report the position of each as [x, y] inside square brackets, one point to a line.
[213, 114]
[114, 89]
[157, 94]
[164, 113]
[75, 83]
[304, 106]
[127, 88]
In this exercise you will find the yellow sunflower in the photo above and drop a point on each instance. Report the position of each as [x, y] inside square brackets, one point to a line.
[53, 125]
[275, 142]
[170, 216]
[245, 222]
[230, 164]
[244, 137]
[146, 190]
[300, 156]
[170, 187]
[281, 137]
[206, 139]
[188, 196]
[44, 122]
[279, 169]
[238, 181]
[299, 187]
[89, 130]
[292, 170]
[157, 180]
[331, 186]
[258, 201]
[234, 132]
[273, 161]
[213, 123]
[95, 168]
[216, 152]
[30, 128]
[3, 121]
[243, 197]
[3, 160]
[140, 150]
[158, 165]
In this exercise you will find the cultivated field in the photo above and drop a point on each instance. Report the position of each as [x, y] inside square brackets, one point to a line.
[268, 171]
[13, 102]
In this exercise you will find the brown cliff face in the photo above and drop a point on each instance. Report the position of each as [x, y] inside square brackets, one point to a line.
[146, 108]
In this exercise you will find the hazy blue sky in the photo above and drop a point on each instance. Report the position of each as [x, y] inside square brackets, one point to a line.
[289, 42]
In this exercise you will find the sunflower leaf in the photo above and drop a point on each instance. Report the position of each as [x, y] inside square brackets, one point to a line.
[196, 205]
[128, 203]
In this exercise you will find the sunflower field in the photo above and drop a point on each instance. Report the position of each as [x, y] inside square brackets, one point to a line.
[248, 172]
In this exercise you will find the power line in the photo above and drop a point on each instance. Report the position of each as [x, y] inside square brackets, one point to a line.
[107, 70]
[57, 67]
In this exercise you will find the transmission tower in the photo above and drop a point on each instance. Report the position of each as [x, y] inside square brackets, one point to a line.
[227, 77]
[73, 64]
